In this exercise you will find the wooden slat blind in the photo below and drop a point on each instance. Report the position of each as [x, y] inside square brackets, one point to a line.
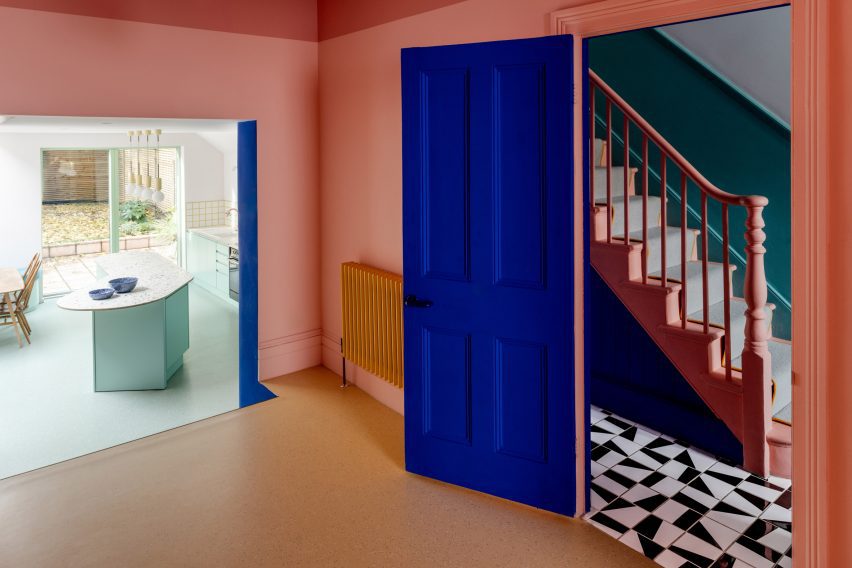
[91, 182]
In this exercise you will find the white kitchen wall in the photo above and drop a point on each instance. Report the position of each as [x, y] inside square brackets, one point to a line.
[20, 179]
[752, 50]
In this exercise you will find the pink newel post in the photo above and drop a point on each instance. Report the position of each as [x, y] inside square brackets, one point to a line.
[757, 365]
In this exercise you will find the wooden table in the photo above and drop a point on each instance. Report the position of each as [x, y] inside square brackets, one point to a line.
[11, 281]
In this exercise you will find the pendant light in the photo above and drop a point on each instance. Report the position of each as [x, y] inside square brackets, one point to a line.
[139, 186]
[157, 185]
[145, 193]
[130, 186]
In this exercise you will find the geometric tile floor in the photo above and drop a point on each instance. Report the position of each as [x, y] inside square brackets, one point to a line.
[681, 507]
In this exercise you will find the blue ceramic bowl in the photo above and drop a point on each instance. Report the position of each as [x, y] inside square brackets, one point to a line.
[101, 293]
[124, 285]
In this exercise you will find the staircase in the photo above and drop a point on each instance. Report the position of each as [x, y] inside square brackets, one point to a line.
[655, 256]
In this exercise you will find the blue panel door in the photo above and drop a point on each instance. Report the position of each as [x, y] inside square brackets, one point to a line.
[488, 261]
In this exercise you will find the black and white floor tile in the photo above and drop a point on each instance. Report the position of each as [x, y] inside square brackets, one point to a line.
[682, 507]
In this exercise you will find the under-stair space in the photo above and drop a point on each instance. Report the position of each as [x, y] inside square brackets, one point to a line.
[654, 248]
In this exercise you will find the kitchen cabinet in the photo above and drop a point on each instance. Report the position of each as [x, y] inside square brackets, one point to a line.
[201, 259]
[207, 260]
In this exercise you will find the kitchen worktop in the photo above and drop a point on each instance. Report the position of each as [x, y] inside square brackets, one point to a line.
[221, 234]
[158, 279]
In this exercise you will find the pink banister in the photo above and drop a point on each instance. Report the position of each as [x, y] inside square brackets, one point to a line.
[683, 274]
[608, 171]
[593, 158]
[757, 362]
[663, 192]
[644, 205]
[625, 203]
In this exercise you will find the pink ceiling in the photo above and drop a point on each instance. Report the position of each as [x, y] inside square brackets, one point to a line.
[340, 17]
[291, 19]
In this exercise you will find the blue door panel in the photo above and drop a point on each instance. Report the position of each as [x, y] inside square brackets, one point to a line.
[446, 193]
[446, 385]
[521, 409]
[519, 120]
[487, 237]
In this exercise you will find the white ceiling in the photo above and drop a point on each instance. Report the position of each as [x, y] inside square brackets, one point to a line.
[78, 124]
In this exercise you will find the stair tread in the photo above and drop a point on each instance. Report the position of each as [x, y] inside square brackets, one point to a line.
[693, 270]
[782, 374]
[614, 168]
[632, 200]
[656, 231]
[738, 307]
[738, 320]
[695, 284]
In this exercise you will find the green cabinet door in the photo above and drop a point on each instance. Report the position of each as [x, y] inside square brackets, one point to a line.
[201, 259]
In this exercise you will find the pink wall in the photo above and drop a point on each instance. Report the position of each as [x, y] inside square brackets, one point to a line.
[291, 19]
[58, 64]
[360, 139]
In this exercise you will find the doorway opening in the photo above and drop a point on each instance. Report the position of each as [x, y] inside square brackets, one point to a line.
[690, 460]
[71, 389]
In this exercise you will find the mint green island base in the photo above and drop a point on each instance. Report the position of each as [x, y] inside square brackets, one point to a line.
[139, 338]
[141, 347]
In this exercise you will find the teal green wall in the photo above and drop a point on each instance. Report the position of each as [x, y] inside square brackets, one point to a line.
[731, 140]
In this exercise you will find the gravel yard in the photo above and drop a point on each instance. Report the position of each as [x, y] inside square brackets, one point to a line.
[74, 222]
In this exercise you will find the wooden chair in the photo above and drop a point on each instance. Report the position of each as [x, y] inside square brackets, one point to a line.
[36, 258]
[22, 299]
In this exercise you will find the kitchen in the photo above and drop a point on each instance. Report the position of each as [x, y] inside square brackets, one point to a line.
[76, 384]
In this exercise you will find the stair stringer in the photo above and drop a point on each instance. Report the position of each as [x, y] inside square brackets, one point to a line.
[693, 353]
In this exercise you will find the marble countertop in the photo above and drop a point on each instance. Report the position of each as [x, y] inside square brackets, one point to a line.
[221, 234]
[158, 279]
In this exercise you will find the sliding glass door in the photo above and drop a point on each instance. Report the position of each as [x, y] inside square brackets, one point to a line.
[75, 216]
[140, 223]
[87, 210]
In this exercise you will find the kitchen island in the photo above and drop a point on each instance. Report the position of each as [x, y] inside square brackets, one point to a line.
[140, 337]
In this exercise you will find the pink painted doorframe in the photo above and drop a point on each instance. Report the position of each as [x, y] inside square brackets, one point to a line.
[810, 139]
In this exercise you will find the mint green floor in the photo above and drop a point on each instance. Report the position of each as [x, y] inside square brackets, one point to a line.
[49, 412]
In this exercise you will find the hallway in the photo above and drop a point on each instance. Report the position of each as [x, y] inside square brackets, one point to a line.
[312, 478]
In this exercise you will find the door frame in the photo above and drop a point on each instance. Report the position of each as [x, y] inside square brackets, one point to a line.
[809, 140]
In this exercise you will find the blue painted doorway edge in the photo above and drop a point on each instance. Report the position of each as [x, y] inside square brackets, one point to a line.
[250, 389]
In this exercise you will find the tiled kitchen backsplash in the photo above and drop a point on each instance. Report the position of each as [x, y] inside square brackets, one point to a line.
[208, 213]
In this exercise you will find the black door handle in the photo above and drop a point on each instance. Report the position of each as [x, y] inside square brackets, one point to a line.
[412, 301]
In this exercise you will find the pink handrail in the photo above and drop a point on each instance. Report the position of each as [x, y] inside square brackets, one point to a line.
[669, 150]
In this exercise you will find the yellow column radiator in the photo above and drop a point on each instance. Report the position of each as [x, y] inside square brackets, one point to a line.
[372, 320]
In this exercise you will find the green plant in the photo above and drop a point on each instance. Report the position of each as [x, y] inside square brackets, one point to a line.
[136, 211]
[132, 228]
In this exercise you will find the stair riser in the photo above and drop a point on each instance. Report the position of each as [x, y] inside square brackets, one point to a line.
[673, 246]
[634, 212]
[617, 181]
[695, 288]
